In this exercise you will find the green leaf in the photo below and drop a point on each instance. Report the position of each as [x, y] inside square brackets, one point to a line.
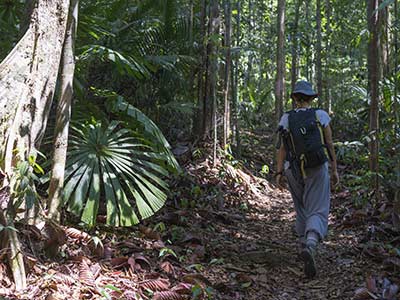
[385, 3]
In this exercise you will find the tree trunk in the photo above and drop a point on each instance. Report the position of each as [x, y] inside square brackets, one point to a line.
[308, 46]
[63, 115]
[295, 53]
[28, 78]
[328, 100]
[235, 85]
[202, 74]
[227, 46]
[319, 55]
[373, 78]
[214, 31]
[384, 19]
[280, 74]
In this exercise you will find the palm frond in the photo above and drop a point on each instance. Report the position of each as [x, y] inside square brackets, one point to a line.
[106, 162]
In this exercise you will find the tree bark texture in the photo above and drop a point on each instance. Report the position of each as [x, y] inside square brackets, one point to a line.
[384, 20]
[63, 115]
[235, 83]
[295, 53]
[280, 74]
[27, 82]
[319, 55]
[202, 75]
[227, 46]
[373, 78]
[213, 75]
[328, 100]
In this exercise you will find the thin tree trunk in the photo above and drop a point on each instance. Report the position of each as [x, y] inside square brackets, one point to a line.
[384, 20]
[319, 55]
[199, 117]
[211, 77]
[214, 31]
[373, 78]
[308, 43]
[63, 115]
[328, 100]
[396, 92]
[235, 87]
[280, 74]
[228, 16]
[249, 39]
[295, 53]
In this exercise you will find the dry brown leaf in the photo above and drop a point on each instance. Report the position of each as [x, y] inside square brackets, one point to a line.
[78, 234]
[52, 297]
[392, 263]
[160, 284]
[85, 274]
[196, 279]
[119, 262]
[183, 288]
[64, 279]
[362, 294]
[167, 267]
[149, 233]
[167, 295]
[108, 252]
[371, 284]
[193, 239]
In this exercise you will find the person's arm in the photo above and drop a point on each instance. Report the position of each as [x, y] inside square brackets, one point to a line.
[329, 144]
[280, 159]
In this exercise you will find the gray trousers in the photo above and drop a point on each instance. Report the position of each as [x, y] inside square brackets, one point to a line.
[311, 198]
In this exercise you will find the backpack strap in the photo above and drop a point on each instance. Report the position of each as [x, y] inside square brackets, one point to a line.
[326, 149]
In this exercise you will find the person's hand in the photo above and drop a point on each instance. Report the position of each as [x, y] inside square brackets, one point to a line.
[335, 178]
[280, 181]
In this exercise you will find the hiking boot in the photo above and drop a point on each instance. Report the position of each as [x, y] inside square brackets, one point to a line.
[301, 244]
[308, 256]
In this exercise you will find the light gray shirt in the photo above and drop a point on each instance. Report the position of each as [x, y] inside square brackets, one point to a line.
[322, 116]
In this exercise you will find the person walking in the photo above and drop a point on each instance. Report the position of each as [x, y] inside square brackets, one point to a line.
[304, 150]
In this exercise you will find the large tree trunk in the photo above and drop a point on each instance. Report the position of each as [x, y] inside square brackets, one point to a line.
[295, 53]
[63, 115]
[27, 83]
[373, 78]
[319, 54]
[28, 78]
[280, 74]
[227, 110]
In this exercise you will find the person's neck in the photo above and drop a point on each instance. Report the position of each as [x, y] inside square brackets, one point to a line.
[303, 105]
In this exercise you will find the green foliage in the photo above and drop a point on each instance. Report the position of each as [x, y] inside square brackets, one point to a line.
[10, 15]
[25, 182]
[110, 162]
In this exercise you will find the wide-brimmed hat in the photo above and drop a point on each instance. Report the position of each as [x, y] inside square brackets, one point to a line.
[304, 87]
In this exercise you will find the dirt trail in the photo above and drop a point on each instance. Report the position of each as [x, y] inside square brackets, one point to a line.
[259, 250]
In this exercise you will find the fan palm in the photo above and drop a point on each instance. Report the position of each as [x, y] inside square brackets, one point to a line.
[110, 163]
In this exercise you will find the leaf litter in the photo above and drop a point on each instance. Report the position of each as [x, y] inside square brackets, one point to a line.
[226, 234]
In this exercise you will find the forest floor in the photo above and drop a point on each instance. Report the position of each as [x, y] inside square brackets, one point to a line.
[226, 234]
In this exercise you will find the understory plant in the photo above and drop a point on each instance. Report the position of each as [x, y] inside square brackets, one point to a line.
[111, 165]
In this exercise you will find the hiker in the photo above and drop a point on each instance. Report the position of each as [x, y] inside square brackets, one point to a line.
[304, 150]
